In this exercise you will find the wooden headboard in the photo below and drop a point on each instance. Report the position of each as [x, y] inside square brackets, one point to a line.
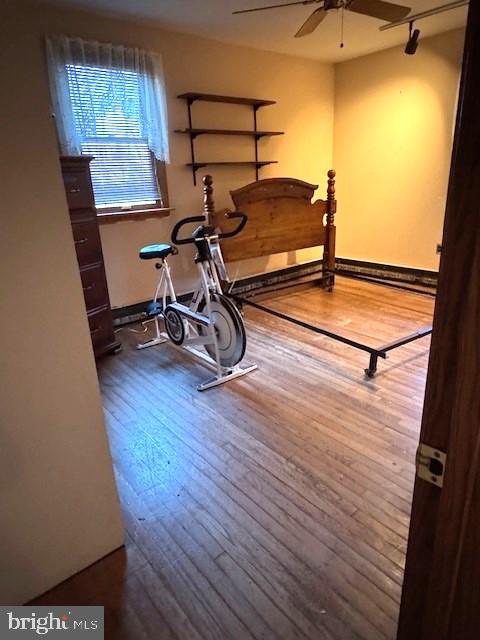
[281, 218]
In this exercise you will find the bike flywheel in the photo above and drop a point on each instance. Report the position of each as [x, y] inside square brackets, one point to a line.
[230, 331]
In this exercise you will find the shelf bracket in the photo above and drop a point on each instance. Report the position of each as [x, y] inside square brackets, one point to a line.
[195, 168]
[190, 101]
[255, 129]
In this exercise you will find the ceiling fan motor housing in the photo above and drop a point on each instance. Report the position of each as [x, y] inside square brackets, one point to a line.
[332, 4]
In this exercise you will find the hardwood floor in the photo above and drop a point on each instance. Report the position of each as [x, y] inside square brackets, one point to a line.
[276, 506]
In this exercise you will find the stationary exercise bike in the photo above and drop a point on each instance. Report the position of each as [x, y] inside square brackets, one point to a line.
[211, 320]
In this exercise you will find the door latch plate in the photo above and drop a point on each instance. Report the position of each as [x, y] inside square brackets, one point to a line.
[430, 463]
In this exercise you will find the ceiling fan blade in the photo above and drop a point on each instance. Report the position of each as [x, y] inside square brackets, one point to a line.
[378, 9]
[275, 6]
[312, 22]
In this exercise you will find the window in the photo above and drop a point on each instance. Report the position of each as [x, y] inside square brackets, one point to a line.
[109, 103]
[107, 109]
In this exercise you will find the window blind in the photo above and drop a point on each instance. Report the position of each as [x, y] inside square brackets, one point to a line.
[109, 109]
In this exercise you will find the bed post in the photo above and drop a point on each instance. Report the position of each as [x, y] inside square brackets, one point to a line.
[329, 248]
[208, 203]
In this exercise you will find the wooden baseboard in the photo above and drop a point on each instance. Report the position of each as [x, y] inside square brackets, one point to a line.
[278, 276]
[372, 270]
[379, 271]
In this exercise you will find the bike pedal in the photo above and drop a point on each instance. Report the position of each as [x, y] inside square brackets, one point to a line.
[154, 309]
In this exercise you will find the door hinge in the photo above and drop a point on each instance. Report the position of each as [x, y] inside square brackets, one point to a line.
[430, 464]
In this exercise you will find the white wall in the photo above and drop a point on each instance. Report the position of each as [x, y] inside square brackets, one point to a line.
[393, 134]
[58, 503]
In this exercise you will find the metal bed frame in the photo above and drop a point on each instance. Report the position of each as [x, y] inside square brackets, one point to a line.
[273, 205]
[374, 352]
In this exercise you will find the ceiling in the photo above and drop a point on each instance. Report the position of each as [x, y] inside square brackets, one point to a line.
[273, 30]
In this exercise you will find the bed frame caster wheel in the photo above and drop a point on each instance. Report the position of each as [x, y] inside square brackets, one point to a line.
[371, 370]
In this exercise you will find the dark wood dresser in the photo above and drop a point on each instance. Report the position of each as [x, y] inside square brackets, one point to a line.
[86, 235]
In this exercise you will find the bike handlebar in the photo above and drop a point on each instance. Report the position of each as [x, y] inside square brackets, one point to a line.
[191, 239]
[180, 224]
[231, 215]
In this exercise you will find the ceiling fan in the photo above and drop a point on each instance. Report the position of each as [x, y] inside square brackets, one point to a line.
[374, 8]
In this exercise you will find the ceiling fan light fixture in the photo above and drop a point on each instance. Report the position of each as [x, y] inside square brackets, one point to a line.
[412, 44]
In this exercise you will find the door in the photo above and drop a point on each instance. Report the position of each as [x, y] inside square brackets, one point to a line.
[441, 592]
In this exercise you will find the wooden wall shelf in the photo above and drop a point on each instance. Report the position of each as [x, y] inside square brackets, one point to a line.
[254, 133]
[247, 163]
[260, 163]
[230, 132]
[209, 97]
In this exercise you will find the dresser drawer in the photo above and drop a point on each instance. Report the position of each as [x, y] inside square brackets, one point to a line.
[101, 329]
[87, 242]
[78, 189]
[84, 221]
[94, 285]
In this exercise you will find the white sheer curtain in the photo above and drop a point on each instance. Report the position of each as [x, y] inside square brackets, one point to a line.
[64, 53]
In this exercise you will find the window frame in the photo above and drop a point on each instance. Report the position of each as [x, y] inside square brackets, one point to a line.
[161, 205]
[162, 210]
